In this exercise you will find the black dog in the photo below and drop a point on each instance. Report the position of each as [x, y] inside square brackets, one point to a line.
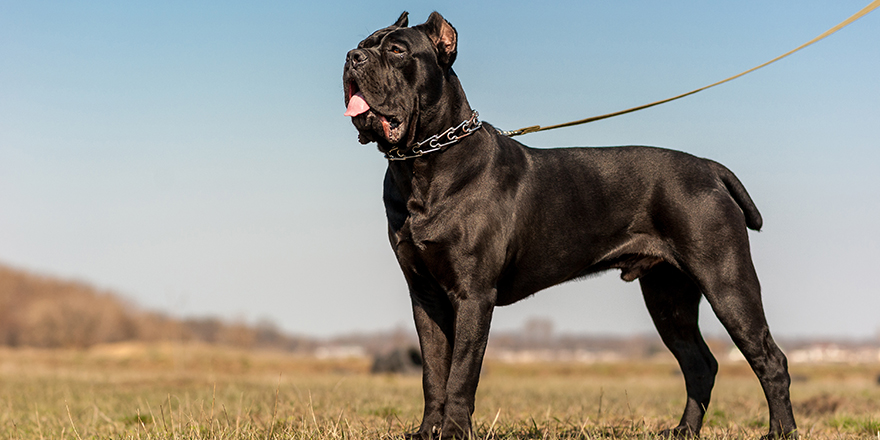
[478, 220]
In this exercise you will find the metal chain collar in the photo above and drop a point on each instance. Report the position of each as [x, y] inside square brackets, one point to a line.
[439, 141]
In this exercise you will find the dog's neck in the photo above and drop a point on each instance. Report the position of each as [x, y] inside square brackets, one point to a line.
[413, 177]
[458, 108]
[434, 118]
[417, 177]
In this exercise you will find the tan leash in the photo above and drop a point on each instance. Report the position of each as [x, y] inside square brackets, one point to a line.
[535, 128]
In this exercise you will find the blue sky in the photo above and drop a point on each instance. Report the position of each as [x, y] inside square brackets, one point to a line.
[193, 156]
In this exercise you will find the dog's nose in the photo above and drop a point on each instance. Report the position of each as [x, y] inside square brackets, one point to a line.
[356, 58]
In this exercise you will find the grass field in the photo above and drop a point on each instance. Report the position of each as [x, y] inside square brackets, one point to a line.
[189, 392]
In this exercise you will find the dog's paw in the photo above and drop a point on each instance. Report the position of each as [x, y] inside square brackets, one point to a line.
[432, 433]
[679, 432]
[793, 435]
[418, 435]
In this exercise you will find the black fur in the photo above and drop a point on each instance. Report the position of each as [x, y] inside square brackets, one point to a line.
[488, 221]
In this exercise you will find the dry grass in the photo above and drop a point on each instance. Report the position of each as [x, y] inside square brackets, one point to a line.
[189, 392]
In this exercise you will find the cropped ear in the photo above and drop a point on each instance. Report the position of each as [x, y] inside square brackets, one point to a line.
[444, 37]
[403, 20]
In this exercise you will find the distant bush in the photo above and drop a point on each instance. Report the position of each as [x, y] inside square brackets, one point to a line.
[40, 311]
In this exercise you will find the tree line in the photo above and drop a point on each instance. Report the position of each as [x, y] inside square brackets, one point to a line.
[41, 311]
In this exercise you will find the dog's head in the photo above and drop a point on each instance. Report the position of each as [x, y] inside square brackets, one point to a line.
[394, 80]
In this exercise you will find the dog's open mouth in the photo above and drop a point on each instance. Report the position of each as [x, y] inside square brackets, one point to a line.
[368, 121]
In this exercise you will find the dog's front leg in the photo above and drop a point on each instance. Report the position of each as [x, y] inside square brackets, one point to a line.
[473, 314]
[434, 323]
[453, 336]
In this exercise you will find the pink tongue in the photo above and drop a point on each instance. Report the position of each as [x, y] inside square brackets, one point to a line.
[356, 105]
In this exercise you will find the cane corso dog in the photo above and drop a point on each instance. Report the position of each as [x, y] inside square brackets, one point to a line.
[478, 220]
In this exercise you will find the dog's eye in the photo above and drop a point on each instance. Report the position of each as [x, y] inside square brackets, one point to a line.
[396, 50]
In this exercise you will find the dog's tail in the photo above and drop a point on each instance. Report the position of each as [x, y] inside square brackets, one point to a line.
[740, 195]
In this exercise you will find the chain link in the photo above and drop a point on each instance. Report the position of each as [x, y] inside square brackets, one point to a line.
[439, 141]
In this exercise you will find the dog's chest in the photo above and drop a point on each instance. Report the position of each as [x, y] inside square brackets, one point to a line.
[417, 211]
[422, 240]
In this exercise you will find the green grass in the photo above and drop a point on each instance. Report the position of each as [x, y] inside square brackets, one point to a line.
[195, 392]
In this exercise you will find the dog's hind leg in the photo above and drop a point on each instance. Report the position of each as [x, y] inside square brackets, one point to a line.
[740, 310]
[673, 301]
[731, 287]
